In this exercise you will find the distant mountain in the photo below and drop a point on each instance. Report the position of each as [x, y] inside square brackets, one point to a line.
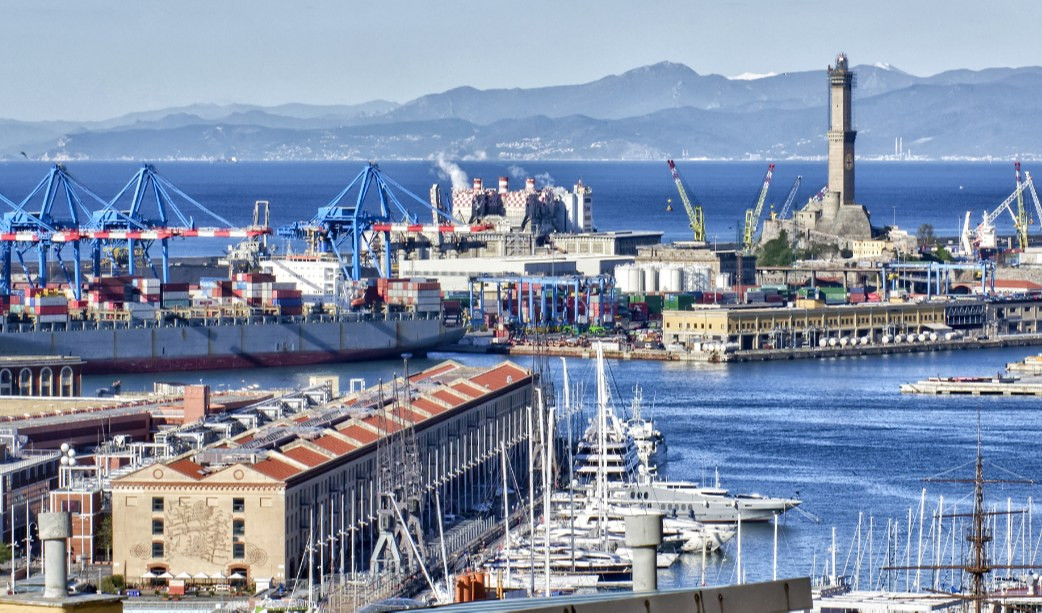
[665, 109]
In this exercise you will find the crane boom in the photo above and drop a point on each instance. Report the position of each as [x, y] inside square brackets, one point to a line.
[1034, 195]
[1020, 220]
[694, 212]
[991, 216]
[790, 198]
[752, 216]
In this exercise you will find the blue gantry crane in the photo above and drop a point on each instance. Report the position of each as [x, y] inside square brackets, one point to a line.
[146, 210]
[46, 220]
[356, 221]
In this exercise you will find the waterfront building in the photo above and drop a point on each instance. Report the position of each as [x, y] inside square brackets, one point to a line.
[248, 506]
[752, 327]
[46, 376]
[26, 477]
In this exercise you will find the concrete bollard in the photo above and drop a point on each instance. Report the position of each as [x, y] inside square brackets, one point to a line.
[55, 528]
[643, 536]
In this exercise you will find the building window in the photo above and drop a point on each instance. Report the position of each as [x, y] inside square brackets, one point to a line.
[238, 505]
[157, 527]
[238, 551]
[66, 382]
[157, 504]
[157, 550]
[6, 382]
[238, 527]
[46, 382]
[25, 382]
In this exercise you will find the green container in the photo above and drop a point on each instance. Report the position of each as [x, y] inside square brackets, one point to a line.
[655, 303]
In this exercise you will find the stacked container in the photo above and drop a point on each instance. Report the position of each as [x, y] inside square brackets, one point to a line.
[47, 305]
[288, 301]
[419, 295]
[148, 290]
[173, 295]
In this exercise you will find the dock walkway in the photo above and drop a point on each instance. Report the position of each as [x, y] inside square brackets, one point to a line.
[992, 387]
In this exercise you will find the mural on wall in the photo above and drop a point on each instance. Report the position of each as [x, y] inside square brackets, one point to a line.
[198, 531]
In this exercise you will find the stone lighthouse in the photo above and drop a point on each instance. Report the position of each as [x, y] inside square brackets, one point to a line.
[841, 134]
[840, 215]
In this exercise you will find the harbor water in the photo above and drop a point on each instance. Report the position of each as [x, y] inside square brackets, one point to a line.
[837, 432]
[627, 195]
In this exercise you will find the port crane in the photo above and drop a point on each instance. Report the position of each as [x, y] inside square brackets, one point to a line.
[983, 235]
[1021, 220]
[46, 220]
[146, 210]
[353, 219]
[55, 214]
[752, 216]
[694, 212]
[787, 207]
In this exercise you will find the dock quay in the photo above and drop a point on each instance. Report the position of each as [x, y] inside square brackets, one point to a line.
[756, 355]
[1031, 365]
[975, 386]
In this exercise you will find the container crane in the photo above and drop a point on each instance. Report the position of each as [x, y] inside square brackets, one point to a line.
[694, 212]
[1021, 219]
[983, 236]
[787, 207]
[366, 228]
[752, 216]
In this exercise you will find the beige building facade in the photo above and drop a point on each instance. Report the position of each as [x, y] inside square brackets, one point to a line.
[760, 328]
[245, 508]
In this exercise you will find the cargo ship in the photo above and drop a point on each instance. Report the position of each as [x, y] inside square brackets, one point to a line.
[139, 325]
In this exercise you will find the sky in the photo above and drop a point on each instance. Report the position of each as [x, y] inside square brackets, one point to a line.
[97, 59]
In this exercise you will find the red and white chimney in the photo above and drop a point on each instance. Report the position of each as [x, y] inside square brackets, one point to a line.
[477, 184]
[504, 185]
[530, 184]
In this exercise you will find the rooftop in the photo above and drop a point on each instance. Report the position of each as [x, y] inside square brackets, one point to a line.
[288, 448]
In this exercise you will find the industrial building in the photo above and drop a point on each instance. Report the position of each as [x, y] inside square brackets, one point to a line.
[760, 327]
[247, 507]
[536, 211]
[46, 376]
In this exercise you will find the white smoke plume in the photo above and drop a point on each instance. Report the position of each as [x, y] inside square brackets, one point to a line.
[516, 172]
[544, 179]
[451, 171]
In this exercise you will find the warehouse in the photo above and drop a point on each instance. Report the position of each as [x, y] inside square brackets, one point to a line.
[244, 508]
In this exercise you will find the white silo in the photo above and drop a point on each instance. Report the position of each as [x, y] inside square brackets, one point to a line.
[650, 280]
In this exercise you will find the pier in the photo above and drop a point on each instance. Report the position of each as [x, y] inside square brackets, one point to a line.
[975, 386]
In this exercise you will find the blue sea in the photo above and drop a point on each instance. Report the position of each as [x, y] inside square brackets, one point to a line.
[837, 431]
[627, 195]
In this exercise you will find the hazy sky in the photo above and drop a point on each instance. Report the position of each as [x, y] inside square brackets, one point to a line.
[93, 59]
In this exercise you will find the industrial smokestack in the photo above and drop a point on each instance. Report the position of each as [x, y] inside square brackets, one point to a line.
[530, 184]
[477, 184]
[504, 185]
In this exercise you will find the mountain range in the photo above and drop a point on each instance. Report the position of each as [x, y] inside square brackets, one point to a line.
[653, 112]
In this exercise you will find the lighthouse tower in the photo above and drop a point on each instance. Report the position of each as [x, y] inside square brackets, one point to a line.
[841, 134]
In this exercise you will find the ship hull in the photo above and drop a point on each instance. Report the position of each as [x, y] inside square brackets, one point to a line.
[237, 345]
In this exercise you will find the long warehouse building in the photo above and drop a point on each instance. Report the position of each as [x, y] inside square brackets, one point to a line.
[243, 508]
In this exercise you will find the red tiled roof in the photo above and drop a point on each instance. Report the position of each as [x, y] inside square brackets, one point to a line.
[499, 377]
[447, 396]
[431, 407]
[276, 469]
[433, 372]
[360, 434]
[383, 425]
[188, 468]
[467, 390]
[334, 444]
[304, 456]
[410, 415]
[245, 438]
